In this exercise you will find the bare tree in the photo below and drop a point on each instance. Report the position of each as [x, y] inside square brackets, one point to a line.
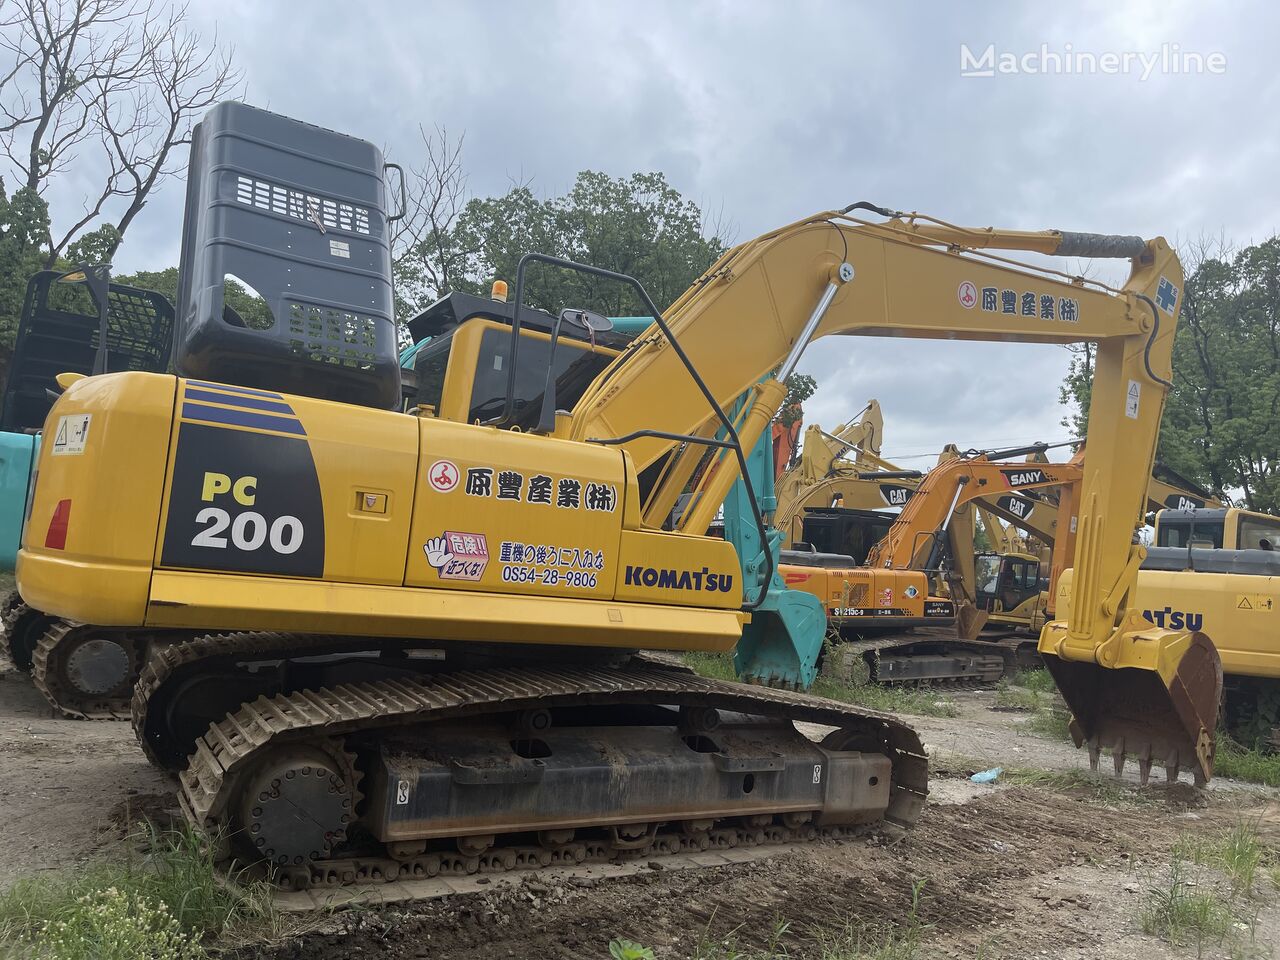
[422, 243]
[112, 86]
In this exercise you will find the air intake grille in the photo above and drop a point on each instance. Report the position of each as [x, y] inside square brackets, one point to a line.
[325, 335]
[334, 214]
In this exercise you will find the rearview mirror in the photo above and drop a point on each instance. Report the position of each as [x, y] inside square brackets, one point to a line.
[586, 319]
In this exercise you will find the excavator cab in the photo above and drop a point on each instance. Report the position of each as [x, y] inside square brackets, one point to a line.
[463, 363]
[1010, 585]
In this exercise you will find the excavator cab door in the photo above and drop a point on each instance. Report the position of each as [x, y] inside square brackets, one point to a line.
[1005, 583]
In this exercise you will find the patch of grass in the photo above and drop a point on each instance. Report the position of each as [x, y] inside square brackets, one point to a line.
[1237, 853]
[1183, 912]
[1038, 680]
[1104, 790]
[1033, 692]
[853, 940]
[715, 666]
[1017, 698]
[164, 901]
[920, 701]
[1051, 719]
[1241, 763]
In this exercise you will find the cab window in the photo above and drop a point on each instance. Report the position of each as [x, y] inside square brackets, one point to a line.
[1253, 530]
[1178, 533]
[576, 367]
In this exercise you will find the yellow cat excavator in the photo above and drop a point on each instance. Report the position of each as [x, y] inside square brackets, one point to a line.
[439, 671]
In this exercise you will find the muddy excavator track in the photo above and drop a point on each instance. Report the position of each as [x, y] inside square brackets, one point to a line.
[88, 672]
[340, 753]
[23, 627]
[938, 659]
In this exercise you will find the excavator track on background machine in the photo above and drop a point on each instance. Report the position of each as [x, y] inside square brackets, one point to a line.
[442, 613]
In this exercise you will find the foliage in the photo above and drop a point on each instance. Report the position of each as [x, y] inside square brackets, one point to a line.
[1180, 912]
[251, 307]
[1245, 763]
[172, 892]
[626, 950]
[1237, 853]
[24, 223]
[800, 387]
[101, 95]
[112, 925]
[638, 225]
[1220, 427]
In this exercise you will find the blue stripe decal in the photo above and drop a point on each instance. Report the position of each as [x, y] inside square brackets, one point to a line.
[241, 418]
[252, 403]
[230, 389]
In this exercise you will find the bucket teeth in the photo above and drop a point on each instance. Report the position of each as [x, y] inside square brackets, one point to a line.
[1171, 767]
[1095, 752]
[1144, 764]
[1117, 757]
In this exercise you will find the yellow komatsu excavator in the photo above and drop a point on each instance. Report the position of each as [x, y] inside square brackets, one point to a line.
[439, 670]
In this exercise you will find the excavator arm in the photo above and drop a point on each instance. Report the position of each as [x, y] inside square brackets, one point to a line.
[912, 276]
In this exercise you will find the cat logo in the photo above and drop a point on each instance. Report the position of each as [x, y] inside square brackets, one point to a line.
[1019, 507]
[894, 495]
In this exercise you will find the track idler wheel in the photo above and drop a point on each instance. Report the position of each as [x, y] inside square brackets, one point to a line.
[85, 671]
[23, 628]
[296, 806]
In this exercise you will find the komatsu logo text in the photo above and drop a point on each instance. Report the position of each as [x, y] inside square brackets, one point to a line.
[666, 579]
[1172, 619]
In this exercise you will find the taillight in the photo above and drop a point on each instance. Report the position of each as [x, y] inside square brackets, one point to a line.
[56, 538]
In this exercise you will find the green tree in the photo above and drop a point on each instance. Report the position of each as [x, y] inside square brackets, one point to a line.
[1221, 426]
[800, 387]
[24, 225]
[638, 225]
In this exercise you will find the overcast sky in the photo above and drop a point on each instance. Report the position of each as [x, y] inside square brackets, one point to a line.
[771, 111]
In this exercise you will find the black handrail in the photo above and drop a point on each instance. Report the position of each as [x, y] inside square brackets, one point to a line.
[508, 411]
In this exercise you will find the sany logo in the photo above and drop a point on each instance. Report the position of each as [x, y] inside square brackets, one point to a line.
[1023, 478]
[1172, 619]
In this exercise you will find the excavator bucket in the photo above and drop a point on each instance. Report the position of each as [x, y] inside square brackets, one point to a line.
[970, 620]
[1158, 703]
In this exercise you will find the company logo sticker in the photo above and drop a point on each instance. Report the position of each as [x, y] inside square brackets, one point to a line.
[443, 476]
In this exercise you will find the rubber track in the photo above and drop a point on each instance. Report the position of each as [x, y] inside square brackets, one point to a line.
[233, 745]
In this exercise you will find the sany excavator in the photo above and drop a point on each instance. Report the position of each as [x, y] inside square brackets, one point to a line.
[442, 612]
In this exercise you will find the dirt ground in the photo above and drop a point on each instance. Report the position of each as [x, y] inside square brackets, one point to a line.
[1007, 871]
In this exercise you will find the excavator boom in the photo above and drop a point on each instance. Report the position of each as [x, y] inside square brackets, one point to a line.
[914, 277]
